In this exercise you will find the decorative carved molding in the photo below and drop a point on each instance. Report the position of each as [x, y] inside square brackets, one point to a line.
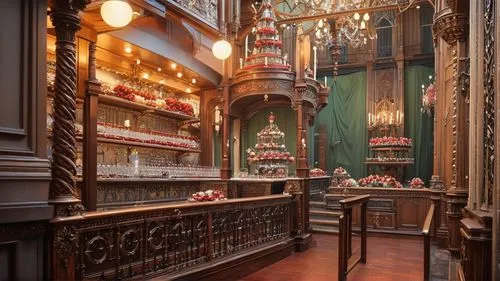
[489, 103]
[18, 231]
[436, 183]
[63, 192]
[451, 27]
[65, 243]
[454, 118]
[464, 77]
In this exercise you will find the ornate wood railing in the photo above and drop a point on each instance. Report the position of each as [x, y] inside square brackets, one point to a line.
[427, 242]
[345, 234]
[156, 240]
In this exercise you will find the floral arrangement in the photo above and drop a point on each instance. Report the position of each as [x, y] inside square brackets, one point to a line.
[317, 172]
[267, 30]
[268, 43]
[429, 99]
[390, 141]
[380, 181]
[390, 159]
[270, 155]
[340, 171]
[348, 183]
[170, 103]
[416, 183]
[208, 195]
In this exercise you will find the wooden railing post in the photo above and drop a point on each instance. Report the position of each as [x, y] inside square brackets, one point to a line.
[363, 232]
[427, 242]
[342, 254]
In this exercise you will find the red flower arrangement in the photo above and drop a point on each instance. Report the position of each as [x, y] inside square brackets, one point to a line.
[340, 171]
[317, 172]
[380, 181]
[267, 30]
[208, 195]
[416, 183]
[390, 141]
[170, 103]
[268, 43]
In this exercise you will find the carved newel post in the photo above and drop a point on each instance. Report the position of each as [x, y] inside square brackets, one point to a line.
[63, 193]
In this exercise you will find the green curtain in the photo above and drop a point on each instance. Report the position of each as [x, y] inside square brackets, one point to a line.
[345, 119]
[286, 119]
[418, 125]
[217, 139]
[310, 145]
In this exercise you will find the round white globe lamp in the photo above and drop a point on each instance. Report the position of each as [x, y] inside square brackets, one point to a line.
[116, 13]
[222, 49]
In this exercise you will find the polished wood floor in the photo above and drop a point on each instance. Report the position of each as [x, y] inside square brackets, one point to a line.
[392, 258]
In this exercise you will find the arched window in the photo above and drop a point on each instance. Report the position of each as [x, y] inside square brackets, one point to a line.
[426, 14]
[384, 38]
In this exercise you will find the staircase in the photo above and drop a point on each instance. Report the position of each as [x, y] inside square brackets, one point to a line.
[323, 219]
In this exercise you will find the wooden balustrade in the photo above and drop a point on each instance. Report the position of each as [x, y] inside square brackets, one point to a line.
[345, 234]
[427, 242]
[156, 240]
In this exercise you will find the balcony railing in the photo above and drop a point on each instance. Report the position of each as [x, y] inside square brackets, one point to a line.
[161, 240]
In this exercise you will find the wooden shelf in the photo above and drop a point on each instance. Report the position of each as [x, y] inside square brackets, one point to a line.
[396, 163]
[138, 144]
[390, 148]
[116, 101]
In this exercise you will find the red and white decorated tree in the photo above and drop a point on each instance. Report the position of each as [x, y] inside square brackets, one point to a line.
[267, 48]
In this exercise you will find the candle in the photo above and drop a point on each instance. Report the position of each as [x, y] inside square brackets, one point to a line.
[265, 61]
[369, 118]
[241, 63]
[217, 115]
[304, 143]
[390, 119]
[397, 117]
[315, 61]
[285, 57]
[126, 123]
[326, 82]
[246, 47]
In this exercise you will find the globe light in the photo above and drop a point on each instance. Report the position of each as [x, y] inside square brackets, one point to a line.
[222, 49]
[363, 25]
[366, 17]
[356, 16]
[116, 13]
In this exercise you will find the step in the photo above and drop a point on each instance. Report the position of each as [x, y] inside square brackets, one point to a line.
[325, 213]
[326, 230]
[332, 223]
[315, 205]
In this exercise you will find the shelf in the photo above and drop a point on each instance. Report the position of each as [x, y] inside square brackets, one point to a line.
[397, 163]
[116, 101]
[390, 148]
[138, 144]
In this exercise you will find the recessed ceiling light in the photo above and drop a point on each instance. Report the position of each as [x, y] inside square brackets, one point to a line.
[128, 50]
[179, 74]
[188, 90]
[193, 80]
[173, 65]
[418, 7]
[159, 69]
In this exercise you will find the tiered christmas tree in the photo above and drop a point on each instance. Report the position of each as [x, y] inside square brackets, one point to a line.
[270, 154]
[267, 48]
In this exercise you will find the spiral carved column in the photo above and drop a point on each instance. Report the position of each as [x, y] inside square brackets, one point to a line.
[63, 192]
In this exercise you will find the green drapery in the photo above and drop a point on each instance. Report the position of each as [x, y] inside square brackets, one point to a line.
[286, 119]
[345, 119]
[418, 125]
[217, 139]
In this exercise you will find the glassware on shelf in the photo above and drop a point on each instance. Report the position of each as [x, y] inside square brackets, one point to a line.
[149, 171]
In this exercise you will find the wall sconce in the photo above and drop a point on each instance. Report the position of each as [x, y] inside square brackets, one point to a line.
[217, 119]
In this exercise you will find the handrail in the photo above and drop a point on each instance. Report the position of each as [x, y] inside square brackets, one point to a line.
[427, 242]
[345, 234]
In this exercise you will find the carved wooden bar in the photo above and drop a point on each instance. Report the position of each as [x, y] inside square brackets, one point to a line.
[168, 240]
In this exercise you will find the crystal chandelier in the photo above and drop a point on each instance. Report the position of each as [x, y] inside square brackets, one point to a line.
[354, 30]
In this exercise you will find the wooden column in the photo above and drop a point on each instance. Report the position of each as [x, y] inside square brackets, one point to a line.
[89, 191]
[63, 193]
[226, 123]
[302, 168]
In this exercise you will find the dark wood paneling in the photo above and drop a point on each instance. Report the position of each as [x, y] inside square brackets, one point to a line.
[24, 168]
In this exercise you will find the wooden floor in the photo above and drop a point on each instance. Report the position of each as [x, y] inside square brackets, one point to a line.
[397, 258]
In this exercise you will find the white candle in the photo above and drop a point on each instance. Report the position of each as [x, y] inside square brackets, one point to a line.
[326, 82]
[246, 46]
[285, 57]
[265, 61]
[315, 61]
[217, 115]
[241, 63]
[369, 118]
[126, 123]
[397, 117]
[390, 119]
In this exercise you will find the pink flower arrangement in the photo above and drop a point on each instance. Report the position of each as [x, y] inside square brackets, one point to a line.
[380, 181]
[348, 183]
[429, 99]
[208, 195]
[416, 183]
[268, 42]
[390, 141]
[317, 172]
[339, 171]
